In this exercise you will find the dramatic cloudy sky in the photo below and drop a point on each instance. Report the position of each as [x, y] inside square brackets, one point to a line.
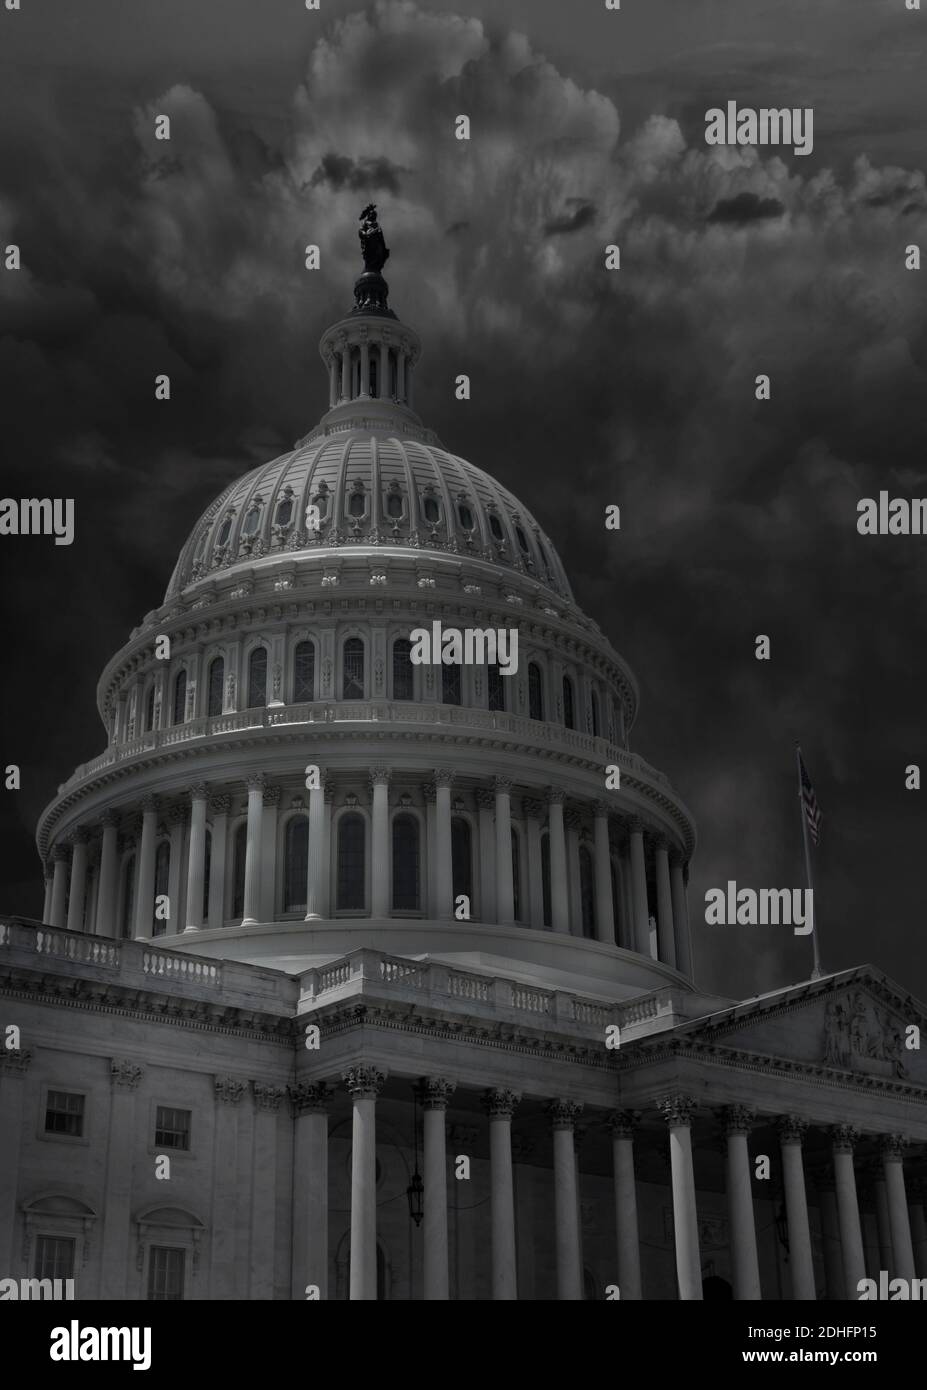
[635, 387]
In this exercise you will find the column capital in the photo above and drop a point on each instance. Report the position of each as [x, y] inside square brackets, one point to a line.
[601, 809]
[661, 842]
[108, 819]
[379, 776]
[124, 1073]
[429, 793]
[843, 1138]
[310, 1097]
[256, 782]
[502, 784]
[77, 837]
[436, 1092]
[791, 1129]
[623, 1123]
[444, 776]
[563, 1113]
[199, 791]
[634, 825]
[892, 1147]
[676, 858]
[229, 1089]
[500, 1104]
[267, 1097]
[176, 814]
[60, 854]
[485, 799]
[532, 808]
[572, 818]
[149, 804]
[220, 805]
[272, 795]
[738, 1119]
[556, 796]
[364, 1083]
[677, 1110]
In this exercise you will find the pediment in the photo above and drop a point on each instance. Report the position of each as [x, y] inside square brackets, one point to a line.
[857, 1022]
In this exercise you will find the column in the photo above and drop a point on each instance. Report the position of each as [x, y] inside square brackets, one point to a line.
[61, 859]
[400, 375]
[196, 863]
[144, 892]
[639, 888]
[533, 811]
[500, 1106]
[119, 722]
[666, 943]
[229, 1242]
[883, 1226]
[604, 908]
[365, 1084]
[505, 891]
[436, 1093]
[255, 835]
[78, 881]
[332, 380]
[177, 825]
[893, 1146]
[383, 381]
[566, 1210]
[677, 1111]
[851, 1237]
[738, 1121]
[316, 885]
[444, 874]
[12, 1074]
[310, 1188]
[629, 1255]
[115, 1244]
[109, 868]
[680, 916]
[830, 1236]
[801, 1261]
[559, 902]
[572, 822]
[486, 803]
[345, 371]
[918, 1227]
[364, 365]
[431, 852]
[380, 896]
[265, 1190]
[48, 878]
[325, 901]
[268, 899]
[219, 807]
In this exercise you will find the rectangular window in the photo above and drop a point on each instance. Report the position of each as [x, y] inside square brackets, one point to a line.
[64, 1113]
[54, 1257]
[172, 1128]
[165, 1274]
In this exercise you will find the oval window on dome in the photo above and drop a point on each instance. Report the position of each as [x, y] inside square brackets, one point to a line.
[284, 511]
[394, 505]
[465, 516]
[430, 510]
[321, 501]
[495, 526]
[522, 539]
[252, 521]
[224, 531]
[357, 505]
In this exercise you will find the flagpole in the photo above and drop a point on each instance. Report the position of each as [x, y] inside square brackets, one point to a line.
[817, 970]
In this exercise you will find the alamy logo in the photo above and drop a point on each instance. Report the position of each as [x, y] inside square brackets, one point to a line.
[470, 646]
[768, 126]
[770, 907]
[76, 1343]
[38, 516]
[891, 1290]
[897, 517]
[27, 1289]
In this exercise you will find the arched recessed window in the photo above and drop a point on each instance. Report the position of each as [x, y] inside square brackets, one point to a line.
[304, 672]
[240, 849]
[296, 864]
[351, 846]
[403, 670]
[462, 859]
[495, 526]
[214, 685]
[284, 510]
[180, 697]
[594, 704]
[431, 511]
[224, 531]
[516, 874]
[252, 520]
[495, 683]
[545, 878]
[535, 692]
[257, 678]
[128, 896]
[522, 540]
[149, 710]
[465, 516]
[394, 505]
[161, 887]
[568, 710]
[405, 864]
[207, 865]
[587, 891]
[320, 500]
[450, 685]
[352, 674]
[357, 504]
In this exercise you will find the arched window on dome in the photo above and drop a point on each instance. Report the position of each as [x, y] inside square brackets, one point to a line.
[406, 861]
[522, 541]
[351, 888]
[569, 715]
[304, 673]
[284, 510]
[352, 670]
[465, 516]
[257, 678]
[225, 530]
[495, 526]
[545, 878]
[180, 697]
[587, 891]
[238, 870]
[149, 709]
[403, 670]
[215, 681]
[495, 687]
[296, 864]
[450, 685]
[161, 888]
[516, 874]
[535, 691]
[357, 504]
[431, 511]
[252, 520]
[394, 506]
[543, 554]
[462, 859]
[594, 710]
[128, 897]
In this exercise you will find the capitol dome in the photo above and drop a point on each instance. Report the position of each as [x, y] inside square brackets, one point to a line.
[283, 784]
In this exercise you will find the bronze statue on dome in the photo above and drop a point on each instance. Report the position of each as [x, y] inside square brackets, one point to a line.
[373, 247]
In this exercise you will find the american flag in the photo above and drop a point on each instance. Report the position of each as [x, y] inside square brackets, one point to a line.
[809, 801]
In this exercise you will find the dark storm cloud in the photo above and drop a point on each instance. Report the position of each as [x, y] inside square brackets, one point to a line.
[589, 387]
[745, 207]
[582, 216]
